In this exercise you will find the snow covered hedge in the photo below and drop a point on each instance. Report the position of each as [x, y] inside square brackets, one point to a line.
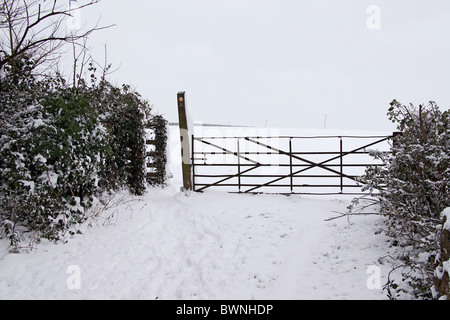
[159, 155]
[60, 147]
[414, 189]
[441, 279]
[124, 114]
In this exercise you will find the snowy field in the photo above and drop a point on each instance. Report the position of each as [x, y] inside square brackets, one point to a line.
[212, 245]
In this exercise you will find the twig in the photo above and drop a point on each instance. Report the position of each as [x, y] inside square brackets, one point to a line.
[351, 214]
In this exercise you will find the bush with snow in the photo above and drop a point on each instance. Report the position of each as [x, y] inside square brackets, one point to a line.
[441, 288]
[124, 114]
[51, 146]
[61, 146]
[413, 190]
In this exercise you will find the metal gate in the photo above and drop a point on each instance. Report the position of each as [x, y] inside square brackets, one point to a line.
[283, 164]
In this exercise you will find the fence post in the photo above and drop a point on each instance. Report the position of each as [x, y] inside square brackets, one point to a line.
[185, 141]
[239, 164]
[290, 164]
[341, 165]
[193, 162]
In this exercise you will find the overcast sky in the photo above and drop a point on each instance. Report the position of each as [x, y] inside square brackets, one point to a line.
[279, 63]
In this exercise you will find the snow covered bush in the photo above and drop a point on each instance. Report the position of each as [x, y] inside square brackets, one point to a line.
[61, 146]
[441, 289]
[413, 190]
[51, 144]
[124, 114]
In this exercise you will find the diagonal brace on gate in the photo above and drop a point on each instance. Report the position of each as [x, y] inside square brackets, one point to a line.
[237, 154]
[312, 163]
[227, 151]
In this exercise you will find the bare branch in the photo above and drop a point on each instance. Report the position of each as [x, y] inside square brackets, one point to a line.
[349, 214]
[35, 28]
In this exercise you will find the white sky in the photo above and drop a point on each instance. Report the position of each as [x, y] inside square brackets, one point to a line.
[280, 63]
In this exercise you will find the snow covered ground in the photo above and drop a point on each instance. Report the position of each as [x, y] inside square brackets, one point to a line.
[213, 245]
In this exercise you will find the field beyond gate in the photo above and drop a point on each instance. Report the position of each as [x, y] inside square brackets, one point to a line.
[284, 164]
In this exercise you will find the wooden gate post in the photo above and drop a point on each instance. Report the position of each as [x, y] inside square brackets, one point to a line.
[185, 140]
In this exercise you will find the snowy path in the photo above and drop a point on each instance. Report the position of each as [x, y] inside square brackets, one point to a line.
[204, 246]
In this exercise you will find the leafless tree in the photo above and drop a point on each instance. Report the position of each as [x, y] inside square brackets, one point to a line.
[38, 29]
